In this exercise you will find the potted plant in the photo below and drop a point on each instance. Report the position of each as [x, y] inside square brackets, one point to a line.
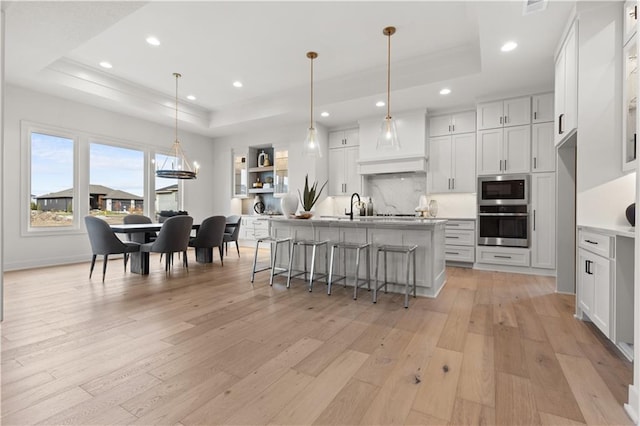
[309, 196]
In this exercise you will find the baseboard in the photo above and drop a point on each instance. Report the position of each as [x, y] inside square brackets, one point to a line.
[514, 269]
[632, 406]
[49, 261]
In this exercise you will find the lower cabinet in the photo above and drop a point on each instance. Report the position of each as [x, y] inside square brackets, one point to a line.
[594, 279]
[509, 256]
[253, 227]
[543, 218]
[460, 239]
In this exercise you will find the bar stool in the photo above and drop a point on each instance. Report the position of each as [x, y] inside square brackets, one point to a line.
[273, 243]
[314, 245]
[410, 253]
[356, 281]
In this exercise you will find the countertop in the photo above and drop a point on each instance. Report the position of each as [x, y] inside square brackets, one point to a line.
[623, 231]
[368, 221]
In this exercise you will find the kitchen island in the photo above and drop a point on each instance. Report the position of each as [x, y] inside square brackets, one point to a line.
[427, 234]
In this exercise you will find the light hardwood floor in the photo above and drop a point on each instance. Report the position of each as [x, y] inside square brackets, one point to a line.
[205, 347]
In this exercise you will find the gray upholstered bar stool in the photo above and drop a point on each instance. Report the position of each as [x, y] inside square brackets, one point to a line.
[275, 270]
[358, 247]
[314, 248]
[410, 254]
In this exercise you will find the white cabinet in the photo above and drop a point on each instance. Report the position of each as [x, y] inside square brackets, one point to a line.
[343, 171]
[629, 104]
[452, 163]
[543, 150]
[280, 171]
[566, 87]
[460, 240]
[239, 178]
[594, 280]
[542, 108]
[509, 256]
[630, 19]
[543, 218]
[509, 112]
[505, 150]
[462, 122]
[342, 138]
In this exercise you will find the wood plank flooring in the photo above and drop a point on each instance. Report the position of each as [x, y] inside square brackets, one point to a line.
[205, 347]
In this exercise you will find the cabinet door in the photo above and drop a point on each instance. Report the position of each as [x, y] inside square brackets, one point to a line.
[440, 126]
[586, 282]
[239, 181]
[559, 96]
[517, 149]
[440, 153]
[542, 106]
[280, 172]
[490, 115]
[337, 179]
[600, 314]
[336, 139]
[543, 205]
[570, 118]
[630, 13]
[351, 137]
[463, 164]
[543, 150]
[517, 111]
[352, 177]
[489, 153]
[463, 122]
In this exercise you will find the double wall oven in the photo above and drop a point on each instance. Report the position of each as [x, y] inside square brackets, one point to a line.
[503, 210]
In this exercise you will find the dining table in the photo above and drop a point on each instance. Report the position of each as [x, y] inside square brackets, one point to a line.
[141, 233]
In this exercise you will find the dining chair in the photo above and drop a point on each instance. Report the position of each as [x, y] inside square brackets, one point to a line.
[105, 242]
[232, 231]
[209, 235]
[142, 237]
[172, 238]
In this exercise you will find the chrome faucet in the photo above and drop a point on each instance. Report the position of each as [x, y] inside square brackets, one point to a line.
[350, 213]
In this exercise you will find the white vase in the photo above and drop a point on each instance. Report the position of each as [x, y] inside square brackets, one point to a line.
[289, 204]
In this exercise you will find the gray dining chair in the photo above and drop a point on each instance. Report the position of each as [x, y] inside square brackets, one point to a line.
[172, 238]
[105, 242]
[141, 237]
[209, 235]
[232, 231]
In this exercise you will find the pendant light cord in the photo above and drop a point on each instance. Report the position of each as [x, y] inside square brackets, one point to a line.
[177, 76]
[311, 117]
[389, 76]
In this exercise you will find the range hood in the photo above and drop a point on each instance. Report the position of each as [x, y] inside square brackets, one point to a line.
[392, 165]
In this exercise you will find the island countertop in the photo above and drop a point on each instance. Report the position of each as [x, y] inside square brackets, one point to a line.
[365, 222]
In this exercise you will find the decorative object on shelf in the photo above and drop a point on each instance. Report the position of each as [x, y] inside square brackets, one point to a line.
[388, 138]
[423, 207]
[310, 195]
[433, 208]
[263, 159]
[183, 169]
[311, 146]
[268, 182]
[258, 204]
[370, 207]
[630, 212]
[257, 183]
[289, 204]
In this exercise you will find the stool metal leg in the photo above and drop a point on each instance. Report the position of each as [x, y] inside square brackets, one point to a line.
[385, 272]
[368, 268]
[406, 286]
[255, 261]
[355, 282]
[293, 249]
[274, 252]
[375, 278]
[330, 278]
[414, 273]
[313, 266]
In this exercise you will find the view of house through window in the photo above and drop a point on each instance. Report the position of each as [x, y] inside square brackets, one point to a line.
[116, 182]
[167, 190]
[51, 201]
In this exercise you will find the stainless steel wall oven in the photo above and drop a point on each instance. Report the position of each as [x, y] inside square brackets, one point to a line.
[503, 210]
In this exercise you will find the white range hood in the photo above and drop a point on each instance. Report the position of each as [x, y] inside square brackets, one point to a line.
[392, 165]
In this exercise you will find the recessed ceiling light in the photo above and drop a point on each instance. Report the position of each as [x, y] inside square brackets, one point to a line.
[153, 41]
[445, 91]
[509, 46]
[380, 104]
[237, 84]
[324, 114]
[105, 64]
[191, 97]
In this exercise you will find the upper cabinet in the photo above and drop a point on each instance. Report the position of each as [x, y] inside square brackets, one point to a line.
[342, 138]
[462, 122]
[566, 87]
[542, 108]
[509, 112]
[280, 171]
[543, 150]
[629, 103]
[504, 150]
[630, 20]
[452, 160]
[239, 178]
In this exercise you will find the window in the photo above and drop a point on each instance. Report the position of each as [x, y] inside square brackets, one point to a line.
[167, 190]
[51, 184]
[116, 182]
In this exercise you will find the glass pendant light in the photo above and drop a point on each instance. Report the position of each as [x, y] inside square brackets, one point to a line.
[388, 138]
[180, 167]
[311, 146]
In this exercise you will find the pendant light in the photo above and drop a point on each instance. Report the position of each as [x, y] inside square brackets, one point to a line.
[388, 138]
[311, 146]
[181, 170]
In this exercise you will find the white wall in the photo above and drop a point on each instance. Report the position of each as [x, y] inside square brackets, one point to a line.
[23, 104]
[456, 206]
[291, 138]
[602, 191]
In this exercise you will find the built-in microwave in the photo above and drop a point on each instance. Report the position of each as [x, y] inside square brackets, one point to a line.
[503, 189]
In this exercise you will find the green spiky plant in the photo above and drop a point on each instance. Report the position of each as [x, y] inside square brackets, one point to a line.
[310, 195]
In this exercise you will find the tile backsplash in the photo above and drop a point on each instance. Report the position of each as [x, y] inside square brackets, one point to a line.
[395, 193]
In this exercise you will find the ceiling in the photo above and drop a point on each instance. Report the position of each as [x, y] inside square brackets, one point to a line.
[55, 47]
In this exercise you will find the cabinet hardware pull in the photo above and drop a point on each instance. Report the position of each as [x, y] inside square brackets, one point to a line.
[535, 115]
[534, 220]
[453, 183]
[591, 242]
[501, 257]
[449, 127]
[451, 236]
[560, 124]
[506, 119]
[635, 12]
[500, 165]
[453, 128]
[500, 119]
[449, 183]
[453, 224]
[535, 162]
[451, 252]
[505, 165]
[588, 267]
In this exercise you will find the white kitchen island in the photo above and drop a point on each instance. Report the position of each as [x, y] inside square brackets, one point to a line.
[427, 234]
